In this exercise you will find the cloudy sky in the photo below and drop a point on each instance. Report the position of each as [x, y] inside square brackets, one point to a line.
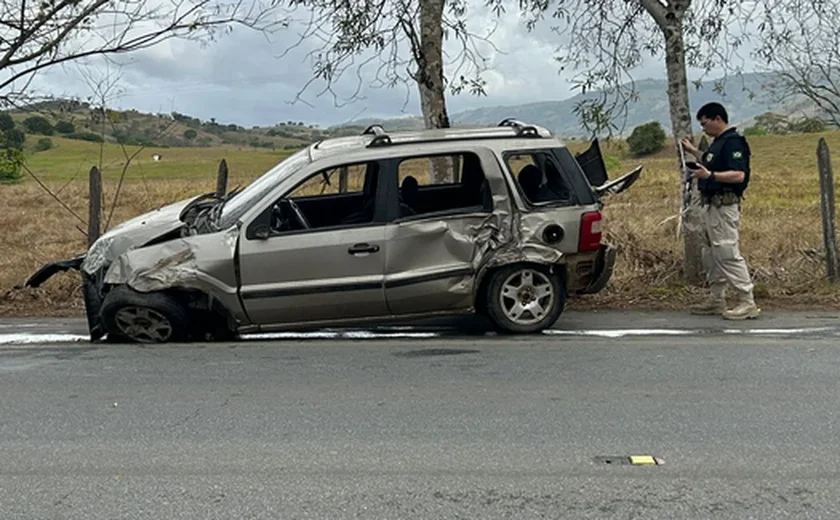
[246, 79]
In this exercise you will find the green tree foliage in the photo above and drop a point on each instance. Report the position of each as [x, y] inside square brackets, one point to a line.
[43, 144]
[647, 138]
[6, 122]
[38, 125]
[65, 127]
[13, 138]
[11, 160]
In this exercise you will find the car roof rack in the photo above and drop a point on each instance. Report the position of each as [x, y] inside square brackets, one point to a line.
[520, 129]
[381, 136]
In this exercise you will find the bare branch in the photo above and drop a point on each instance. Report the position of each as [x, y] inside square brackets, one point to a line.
[801, 45]
[65, 206]
[38, 35]
[386, 35]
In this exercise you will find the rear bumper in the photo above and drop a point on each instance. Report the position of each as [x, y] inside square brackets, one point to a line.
[602, 270]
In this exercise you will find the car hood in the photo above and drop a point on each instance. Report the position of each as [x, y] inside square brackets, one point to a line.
[134, 233]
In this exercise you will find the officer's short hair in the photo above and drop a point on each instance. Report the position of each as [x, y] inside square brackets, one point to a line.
[713, 110]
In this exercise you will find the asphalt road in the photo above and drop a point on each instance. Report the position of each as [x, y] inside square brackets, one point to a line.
[745, 425]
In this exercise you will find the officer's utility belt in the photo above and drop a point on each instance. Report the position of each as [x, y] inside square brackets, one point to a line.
[722, 199]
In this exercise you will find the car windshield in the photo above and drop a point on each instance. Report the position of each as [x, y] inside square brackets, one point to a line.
[255, 191]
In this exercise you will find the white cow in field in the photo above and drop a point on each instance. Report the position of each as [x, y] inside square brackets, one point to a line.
[157, 157]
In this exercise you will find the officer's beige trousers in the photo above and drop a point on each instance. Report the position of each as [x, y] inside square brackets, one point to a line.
[722, 258]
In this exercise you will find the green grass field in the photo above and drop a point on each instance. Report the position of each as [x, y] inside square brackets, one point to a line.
[71, 159]
[781, 227]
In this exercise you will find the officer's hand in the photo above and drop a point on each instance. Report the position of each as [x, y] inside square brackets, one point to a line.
[701, 172]
[689, 147]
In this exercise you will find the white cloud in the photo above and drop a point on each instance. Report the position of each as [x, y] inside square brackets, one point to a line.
[239, 78]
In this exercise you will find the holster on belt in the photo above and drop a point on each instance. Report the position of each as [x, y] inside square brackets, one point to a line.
[723, 199]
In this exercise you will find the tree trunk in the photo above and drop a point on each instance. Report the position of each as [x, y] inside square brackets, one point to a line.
[692, 223]
[430, 67]
[669, 18]
[430, 81]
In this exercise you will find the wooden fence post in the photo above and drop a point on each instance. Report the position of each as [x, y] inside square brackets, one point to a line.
[827, 208]
[221, 179]
[94, 205]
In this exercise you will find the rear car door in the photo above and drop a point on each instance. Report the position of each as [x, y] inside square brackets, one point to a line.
[318, 253]
[441, 205]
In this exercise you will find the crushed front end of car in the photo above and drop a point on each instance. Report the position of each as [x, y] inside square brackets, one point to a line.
[188, 217]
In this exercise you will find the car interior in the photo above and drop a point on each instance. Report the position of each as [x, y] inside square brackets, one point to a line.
[539, 178]
[422, 197]
[325, 200]
[336, 202]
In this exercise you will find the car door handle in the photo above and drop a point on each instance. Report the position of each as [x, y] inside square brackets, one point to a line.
[363, 248]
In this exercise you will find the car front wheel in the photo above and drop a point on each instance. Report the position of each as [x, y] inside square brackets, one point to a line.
[525, 298]
[144, 317]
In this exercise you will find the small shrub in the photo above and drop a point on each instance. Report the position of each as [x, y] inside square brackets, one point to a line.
[190, 134]
[12, 138]
[86, 136]
[808, 125]
[755, 130]
[10, 161]
[65, 127]
[43, 144]
[38, 125]
[647, 138]
[6, 122]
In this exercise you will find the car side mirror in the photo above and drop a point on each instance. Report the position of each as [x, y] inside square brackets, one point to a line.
[262, 232]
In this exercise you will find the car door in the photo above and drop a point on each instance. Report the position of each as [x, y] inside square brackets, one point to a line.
[333, 270]
[432, 235]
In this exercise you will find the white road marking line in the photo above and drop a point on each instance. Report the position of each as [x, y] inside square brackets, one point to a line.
[618, 333]
[356, 334]
[779, 331]
[25, 338]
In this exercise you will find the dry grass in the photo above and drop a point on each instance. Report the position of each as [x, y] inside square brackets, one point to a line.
[781, 230]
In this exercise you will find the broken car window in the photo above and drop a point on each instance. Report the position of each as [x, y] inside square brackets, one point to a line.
[258, 189]
[539, 177]
[343, 179]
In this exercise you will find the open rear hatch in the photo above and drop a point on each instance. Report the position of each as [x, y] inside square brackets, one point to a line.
[592, 163]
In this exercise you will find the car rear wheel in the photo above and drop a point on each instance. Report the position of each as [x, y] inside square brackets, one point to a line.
[525, 298]
[144, 317]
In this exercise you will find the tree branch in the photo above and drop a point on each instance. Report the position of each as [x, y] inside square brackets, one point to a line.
[657, 11]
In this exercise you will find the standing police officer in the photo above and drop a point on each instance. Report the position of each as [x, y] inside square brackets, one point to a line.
[722, 176]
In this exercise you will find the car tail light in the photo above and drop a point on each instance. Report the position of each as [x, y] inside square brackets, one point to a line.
[590, 231]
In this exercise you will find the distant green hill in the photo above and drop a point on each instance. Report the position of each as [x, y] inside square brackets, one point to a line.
[745, 97]
[132, 127]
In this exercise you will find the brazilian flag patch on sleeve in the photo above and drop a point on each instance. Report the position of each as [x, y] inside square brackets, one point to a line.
[737, 154]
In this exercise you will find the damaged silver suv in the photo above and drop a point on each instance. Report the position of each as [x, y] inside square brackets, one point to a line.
[503, 221]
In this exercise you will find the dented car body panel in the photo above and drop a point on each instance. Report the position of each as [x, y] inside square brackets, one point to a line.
[133, 233]
[279, 255]
[202, 263]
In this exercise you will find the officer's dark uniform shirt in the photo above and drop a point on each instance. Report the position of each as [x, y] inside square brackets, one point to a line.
[729, 151]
